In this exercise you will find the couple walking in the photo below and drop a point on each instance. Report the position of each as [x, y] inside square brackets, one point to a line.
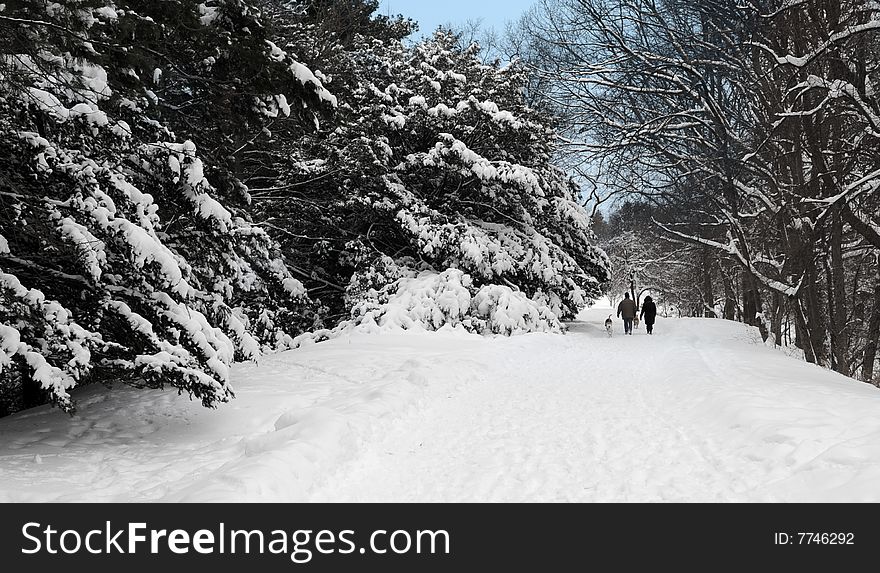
[627, 310]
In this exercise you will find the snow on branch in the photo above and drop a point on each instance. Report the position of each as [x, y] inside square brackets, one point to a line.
[731, 249]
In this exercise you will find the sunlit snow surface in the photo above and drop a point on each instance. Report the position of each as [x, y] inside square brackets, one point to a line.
[701, 411]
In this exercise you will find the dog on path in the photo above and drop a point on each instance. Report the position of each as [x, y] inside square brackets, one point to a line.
[609, 325]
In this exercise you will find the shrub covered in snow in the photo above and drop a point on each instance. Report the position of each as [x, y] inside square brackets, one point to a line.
[430, 300]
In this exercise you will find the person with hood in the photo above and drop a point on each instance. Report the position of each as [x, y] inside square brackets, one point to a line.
[649, 314]
[627, 310]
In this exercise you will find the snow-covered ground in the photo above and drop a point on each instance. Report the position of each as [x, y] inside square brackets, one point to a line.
[702, 411]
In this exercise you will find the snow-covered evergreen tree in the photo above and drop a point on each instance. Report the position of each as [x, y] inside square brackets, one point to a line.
[124, 252]
[435, 163]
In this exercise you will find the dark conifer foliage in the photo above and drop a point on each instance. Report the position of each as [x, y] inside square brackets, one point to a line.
[126, 249]
[188, 184]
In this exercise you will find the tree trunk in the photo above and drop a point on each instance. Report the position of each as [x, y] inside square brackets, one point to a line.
[872, 335]
[815, 320]
[748, 305]
[752, 305]
[778, 312]
[803, 340]
[708, 297]
[729, 296]
[829, 302]
[838, 315]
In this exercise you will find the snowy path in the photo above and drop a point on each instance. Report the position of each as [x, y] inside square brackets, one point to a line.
[700, 412]
[599, 420]
[594, 425]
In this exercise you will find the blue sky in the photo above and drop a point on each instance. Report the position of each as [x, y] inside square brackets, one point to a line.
[432, 13]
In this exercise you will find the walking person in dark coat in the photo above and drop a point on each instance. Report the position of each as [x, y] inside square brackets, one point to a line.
[627, 310]
[649, 314]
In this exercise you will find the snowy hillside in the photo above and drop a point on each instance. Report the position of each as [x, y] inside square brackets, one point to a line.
[699, 412]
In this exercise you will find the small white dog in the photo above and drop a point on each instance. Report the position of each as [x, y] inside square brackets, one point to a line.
[635, 323]
[609, 324]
